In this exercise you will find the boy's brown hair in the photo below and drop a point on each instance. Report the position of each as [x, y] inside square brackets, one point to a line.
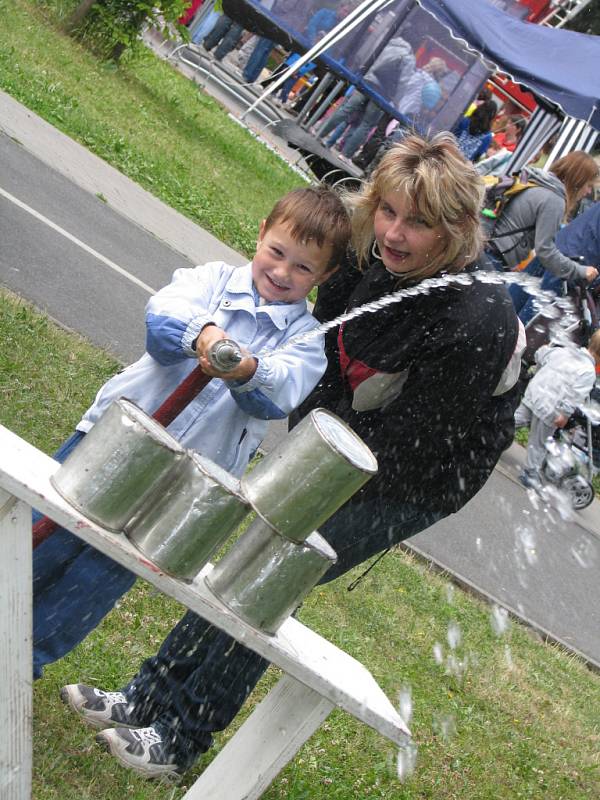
[315, 213]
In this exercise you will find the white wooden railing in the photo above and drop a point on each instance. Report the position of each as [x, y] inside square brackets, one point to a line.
[318, 676]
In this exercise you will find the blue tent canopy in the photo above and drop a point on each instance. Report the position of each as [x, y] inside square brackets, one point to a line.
[559, 65]
[472, 36]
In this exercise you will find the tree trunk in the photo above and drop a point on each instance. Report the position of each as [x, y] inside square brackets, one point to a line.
[78, 15]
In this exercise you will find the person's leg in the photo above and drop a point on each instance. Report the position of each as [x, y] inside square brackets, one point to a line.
[286, 88]
[85, 589]
[524, 301]
[215, 35]
[257, 60]
[350, 106]
[539, 432]
[74, 587]
[369, 120]
[337, 133]
[193, 687]
[229, 41]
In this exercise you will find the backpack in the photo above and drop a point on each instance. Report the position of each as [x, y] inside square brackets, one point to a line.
[500, 190]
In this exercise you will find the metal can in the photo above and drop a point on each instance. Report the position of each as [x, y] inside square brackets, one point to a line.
[319, 465]
[126, 459]
[265, 577]
[191, 519]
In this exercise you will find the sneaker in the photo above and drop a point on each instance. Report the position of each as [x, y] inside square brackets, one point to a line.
[142, 750]
[97, 707]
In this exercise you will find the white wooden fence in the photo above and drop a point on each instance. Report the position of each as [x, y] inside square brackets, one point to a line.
[318, 676]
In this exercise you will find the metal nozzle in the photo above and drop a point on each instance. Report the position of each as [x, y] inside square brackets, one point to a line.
[225, 355]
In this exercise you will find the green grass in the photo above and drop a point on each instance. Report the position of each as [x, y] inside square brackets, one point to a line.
[525, 714]
[146, 119]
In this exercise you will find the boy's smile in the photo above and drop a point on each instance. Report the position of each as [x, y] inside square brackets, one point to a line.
[284, 269]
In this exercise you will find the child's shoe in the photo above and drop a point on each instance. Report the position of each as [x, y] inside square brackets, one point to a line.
[97, 707]
[143, 750]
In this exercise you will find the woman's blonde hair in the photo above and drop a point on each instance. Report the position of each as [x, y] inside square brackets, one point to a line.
[443, 188]
[574, 170]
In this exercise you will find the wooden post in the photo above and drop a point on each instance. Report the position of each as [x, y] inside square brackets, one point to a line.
[266, 742]
[15, 648]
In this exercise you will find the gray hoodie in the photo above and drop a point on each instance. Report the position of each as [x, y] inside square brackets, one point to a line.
[543, 208]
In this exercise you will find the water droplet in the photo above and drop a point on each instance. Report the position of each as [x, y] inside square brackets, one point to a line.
[405, 703]
[584, 552]
[407, 761]
[499, 619]
[445, 725]
[454, 635]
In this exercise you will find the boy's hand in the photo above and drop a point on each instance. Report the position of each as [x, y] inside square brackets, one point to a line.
[206, 339]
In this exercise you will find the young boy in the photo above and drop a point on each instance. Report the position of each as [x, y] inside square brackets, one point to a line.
[260, 306]
[563, 381]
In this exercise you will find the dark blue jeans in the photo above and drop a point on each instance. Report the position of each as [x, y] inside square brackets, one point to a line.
[522, 300]
[225, 36]
[74, 588]
[200, 677]
[258, 58]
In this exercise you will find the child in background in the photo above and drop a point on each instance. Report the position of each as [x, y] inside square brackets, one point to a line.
[565, 378]
[260, 306]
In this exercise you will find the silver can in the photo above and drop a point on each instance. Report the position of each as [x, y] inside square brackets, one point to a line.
[188, 522]
[126, 459]
[265, 577]
[319, 465]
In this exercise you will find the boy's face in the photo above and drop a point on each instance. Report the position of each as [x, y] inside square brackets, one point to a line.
[284, 269]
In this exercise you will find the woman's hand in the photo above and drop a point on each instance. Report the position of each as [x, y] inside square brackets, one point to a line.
[591, 273]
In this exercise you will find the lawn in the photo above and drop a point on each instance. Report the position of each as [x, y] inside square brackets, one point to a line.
[497, 714]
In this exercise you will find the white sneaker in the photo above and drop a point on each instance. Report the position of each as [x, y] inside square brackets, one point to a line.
[141, 749]
[97, 707]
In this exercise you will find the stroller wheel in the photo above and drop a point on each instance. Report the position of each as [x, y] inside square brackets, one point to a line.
[580, 491]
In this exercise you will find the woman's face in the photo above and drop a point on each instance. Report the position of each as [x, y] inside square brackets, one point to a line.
[585, 189]
[405, 241]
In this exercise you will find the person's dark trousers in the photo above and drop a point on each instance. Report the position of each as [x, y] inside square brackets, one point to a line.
[371, 148]
[229, 42]
[201, 677]
[74, 587]
[220, 29]
[258, 59]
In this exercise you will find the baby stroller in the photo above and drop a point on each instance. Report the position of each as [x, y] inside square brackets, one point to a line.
[573, 458]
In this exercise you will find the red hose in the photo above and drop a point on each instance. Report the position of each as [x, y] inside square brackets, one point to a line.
[165, 414]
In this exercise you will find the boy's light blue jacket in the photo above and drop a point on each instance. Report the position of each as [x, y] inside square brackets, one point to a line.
[227, 421]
